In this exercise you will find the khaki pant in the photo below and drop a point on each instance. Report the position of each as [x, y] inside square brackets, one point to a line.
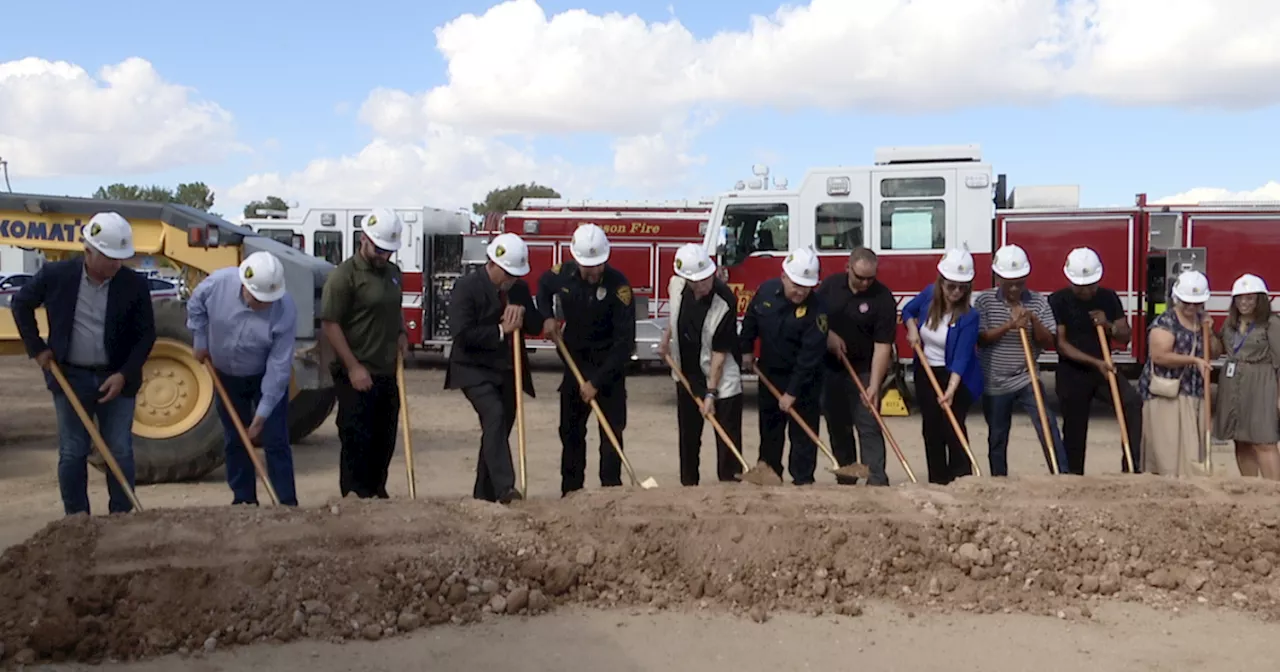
[1173, 436]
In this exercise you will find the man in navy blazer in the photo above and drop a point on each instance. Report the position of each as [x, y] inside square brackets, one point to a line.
[101, 329]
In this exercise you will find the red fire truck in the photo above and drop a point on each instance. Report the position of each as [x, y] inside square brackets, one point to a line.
[915, 202]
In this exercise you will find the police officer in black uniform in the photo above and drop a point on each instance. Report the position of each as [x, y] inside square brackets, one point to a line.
[791, 323]
[487, 306]
[600, 334]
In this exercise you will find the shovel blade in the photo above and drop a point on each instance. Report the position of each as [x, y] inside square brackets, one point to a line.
[855, 470]
[762, 474]
[649, 483]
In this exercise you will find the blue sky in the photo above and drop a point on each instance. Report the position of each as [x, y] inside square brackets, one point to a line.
[293, 77]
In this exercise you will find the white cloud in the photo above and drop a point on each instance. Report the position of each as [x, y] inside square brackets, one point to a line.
[445, 169]
[58, 120]
[1267, 192]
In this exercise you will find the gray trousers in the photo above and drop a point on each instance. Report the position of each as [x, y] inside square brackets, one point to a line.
[844, 410]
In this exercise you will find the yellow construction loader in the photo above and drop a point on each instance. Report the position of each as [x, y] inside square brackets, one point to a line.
[176, 432]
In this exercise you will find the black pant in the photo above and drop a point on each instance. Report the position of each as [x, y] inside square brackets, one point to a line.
[367, 423]
[842, 404]
[775, 424]
[496, 406]
[689, 417]
[573, 433]
[942, 448]
[1076, 392]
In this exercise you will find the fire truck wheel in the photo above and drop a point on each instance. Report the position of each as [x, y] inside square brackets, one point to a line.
[309, 410]
[176, 432]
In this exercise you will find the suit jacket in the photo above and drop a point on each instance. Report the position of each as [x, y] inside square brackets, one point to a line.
[480, 354]
[130, 321]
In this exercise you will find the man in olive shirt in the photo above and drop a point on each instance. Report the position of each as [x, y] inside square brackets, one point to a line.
[361, 317]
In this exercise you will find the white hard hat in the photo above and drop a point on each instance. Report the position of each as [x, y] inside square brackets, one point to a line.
[1191, 287]
[1248, 284]
[956, 266]
[693, 263]
[263, 275]
[1011, 263]
[590, 247]
[802, 267]
[110, 234]
[1083, 266]
[384, 228]
[510, 253]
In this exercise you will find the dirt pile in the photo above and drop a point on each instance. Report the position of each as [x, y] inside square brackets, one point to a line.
[194, 580]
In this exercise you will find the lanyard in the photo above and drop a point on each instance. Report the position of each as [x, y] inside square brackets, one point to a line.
[1240, 344]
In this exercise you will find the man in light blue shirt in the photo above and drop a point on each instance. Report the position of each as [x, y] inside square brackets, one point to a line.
[245, 323]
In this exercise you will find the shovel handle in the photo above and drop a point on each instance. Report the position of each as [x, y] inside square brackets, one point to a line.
[517, 348]
[724, 436]
[1208, 413]
[242, 432]
[98, 442]
[1115, 398]
[799, 420]
[404, 422]
[951, 415]
[595, 406]
[875, 412]
[1035, 389]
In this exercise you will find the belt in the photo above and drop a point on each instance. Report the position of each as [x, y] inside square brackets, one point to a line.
[104, 370]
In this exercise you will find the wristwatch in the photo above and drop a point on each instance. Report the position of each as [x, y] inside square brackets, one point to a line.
[711, 394]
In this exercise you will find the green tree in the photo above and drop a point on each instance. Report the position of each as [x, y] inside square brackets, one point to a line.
[271, 203]
[194, 194]
[509, 198]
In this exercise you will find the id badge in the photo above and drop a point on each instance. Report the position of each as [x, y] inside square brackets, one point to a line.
[1229, 370]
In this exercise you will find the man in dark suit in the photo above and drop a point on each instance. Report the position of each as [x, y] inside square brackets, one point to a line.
[101, 329]
[486, 307]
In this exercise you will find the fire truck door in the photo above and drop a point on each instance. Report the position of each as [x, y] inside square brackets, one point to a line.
[757, 234]
[913, 211]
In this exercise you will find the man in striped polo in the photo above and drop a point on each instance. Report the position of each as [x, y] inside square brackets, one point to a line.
[1004, 310]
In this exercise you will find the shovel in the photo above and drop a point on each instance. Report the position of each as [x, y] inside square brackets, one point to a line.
[244, 434]
[1035, 389]
[404, 422]
[875, 412]
[951, 415]
[761, 474]
[1115, 399]
[855, 470]
[648, 483]
[517, 347]
[98, 442]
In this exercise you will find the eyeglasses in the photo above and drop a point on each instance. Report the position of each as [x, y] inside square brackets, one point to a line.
[955, 286]
[861, 278]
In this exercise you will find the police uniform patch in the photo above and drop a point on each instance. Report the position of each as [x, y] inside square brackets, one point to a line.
[822, 323]
[801, 311]
[624, 295]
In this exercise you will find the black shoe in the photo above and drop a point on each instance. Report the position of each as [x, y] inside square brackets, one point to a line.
[511, 496]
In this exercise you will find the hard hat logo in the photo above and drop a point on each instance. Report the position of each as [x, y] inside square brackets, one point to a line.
[680, 264]
[962, 268]
[499, 251]
[373, 220]
[248, 272]
[592, 251]
[95, 229]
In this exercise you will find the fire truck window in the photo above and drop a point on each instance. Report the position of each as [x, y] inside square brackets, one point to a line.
[913, 187]
[754, 227]
[328, 246]
[355, 220]
[279, 235]
[839, 226]
[913, 225]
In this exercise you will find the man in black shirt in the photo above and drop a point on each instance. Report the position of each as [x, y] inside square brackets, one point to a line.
[704, 322]
[862, 324]
[1082, 370]
[600, 334]
[790, 320]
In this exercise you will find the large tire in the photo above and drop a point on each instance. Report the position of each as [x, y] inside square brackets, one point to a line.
[309, 410]
[160, 455]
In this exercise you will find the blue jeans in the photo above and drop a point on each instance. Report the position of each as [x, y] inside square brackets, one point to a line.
[245, 392]
[115, 423]
[998, 411]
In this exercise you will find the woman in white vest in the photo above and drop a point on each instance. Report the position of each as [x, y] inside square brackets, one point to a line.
[702, 337]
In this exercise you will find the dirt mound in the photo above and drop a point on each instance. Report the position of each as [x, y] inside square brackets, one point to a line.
[193, 580]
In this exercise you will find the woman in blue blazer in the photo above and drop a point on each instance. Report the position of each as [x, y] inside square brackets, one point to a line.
[941, 321]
